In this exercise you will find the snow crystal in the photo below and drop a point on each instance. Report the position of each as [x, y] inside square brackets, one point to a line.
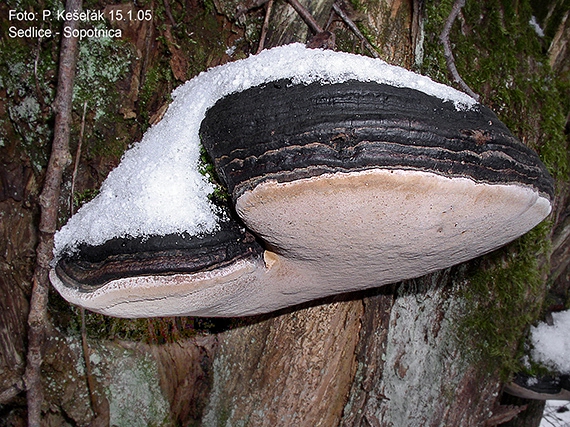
[552, 343]
[231, 50]
[157, 189]
[534, 24]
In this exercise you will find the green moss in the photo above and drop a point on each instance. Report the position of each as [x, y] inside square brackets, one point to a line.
[154, 92]
[503, 296]
[208, 41]
[153, 330]
[220, 195]
[101, 63]
[209, 6]
[501, 58]
[27, 75]
[365, 6]
[346, 41]
[82, 197]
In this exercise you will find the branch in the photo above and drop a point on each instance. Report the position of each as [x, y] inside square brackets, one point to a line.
[321, 39]
[11, 392]
[444, 38]
[306, 16]
[350, 23]
[100, 407]
[49, 202]
[169, 13]
[261, 45]
[76, 162]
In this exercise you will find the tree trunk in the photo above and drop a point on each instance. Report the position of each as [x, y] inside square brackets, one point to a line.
[407, 367]
[432, 351]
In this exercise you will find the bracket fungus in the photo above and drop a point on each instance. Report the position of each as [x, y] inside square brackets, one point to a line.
[345, 173]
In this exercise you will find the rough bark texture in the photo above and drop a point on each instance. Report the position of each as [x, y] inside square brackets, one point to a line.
[15, 285]
[294, 369]
[286, 27]
[396, 356]
[530, 417]
[419, 376]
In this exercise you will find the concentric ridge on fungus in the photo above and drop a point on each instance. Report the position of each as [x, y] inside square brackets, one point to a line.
[285, 132]
[336, 187]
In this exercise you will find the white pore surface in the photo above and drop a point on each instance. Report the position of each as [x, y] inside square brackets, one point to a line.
[552, 343]
[370, 228]
[157, 189]
[332, 234]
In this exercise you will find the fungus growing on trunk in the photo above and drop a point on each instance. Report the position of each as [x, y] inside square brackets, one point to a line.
[345, 173]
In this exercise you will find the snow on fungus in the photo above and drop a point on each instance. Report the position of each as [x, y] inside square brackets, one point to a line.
[345, 173]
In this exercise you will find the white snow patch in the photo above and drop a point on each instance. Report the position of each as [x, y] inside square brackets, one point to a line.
[551, 345]
[534, 24]
[230, 50]
[157, 189]
[556, 414]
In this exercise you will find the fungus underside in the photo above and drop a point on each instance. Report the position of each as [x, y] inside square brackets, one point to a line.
[554, 161]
